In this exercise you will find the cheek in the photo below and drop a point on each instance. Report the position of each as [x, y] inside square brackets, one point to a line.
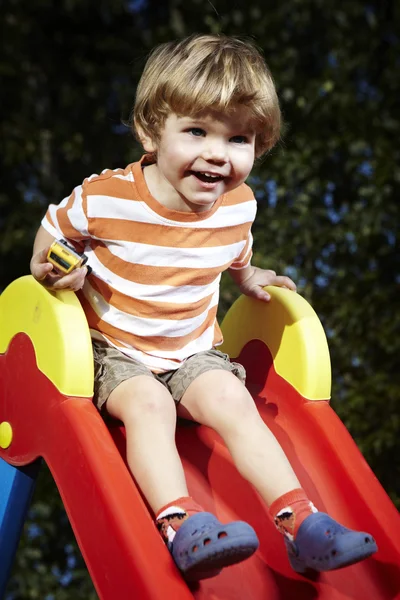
[173, 165]
[174, 155]
[169, 159]
[245, 163]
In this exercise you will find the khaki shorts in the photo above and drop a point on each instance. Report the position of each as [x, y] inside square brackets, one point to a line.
[112, 367]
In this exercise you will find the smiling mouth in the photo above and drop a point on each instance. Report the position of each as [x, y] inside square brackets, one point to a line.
[207, 177]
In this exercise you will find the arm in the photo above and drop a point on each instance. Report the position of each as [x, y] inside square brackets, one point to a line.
[251, 281]
[44, 271]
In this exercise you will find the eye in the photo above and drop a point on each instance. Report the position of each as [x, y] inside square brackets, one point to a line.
[196, 131]
[239, 139]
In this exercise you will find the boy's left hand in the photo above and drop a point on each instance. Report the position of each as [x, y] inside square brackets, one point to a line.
[253, 283]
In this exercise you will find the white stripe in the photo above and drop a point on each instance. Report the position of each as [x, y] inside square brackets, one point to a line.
[238, 264]
[170, 510]
[108, 207]
[224, 216]
[128, 177]
[145, 327]
[94, 175]
[161, 293]
[204, 342]
[113, 173]
[164, 256]
[49, 227]
[75, 215]
[163, 360]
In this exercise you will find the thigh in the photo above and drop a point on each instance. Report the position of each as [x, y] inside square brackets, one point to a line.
[127, 390]
[111, 368]
[220, 401]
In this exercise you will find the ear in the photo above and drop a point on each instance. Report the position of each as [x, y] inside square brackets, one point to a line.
[147, 142]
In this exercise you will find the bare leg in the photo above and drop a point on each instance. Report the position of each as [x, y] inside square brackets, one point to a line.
[220, 401]
[148, 412]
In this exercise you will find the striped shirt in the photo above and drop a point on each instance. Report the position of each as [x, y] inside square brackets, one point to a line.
[154, 289]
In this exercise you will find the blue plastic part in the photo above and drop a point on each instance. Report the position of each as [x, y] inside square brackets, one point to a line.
[322, 544]
[16, 489]
[203, 546]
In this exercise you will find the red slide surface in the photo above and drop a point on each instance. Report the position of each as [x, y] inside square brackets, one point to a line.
[123, 551]
[335, 476]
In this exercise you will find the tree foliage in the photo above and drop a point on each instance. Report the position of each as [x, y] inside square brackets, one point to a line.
[328, 210]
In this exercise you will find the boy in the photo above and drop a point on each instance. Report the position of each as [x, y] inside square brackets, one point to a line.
[158, 235]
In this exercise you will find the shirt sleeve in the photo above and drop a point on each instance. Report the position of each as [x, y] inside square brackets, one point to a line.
[244, 258]
[69, 219]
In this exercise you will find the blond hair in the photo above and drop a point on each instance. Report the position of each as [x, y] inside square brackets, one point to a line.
[207, 72]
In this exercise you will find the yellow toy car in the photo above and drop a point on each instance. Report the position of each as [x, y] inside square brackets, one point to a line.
[64, 257]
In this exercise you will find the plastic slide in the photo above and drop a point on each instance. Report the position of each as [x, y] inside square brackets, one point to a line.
[46, 381]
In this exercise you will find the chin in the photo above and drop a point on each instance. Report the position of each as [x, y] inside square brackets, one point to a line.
[206, 203]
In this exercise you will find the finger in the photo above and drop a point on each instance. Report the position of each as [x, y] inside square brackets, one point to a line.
[51, 278]
[40, 266]
[73, 281]
[260, 293]
[283, 281]
[41, 271]
[41, 256]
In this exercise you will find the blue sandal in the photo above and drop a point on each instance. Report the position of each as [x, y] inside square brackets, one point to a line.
[203, 546]
[322, 544]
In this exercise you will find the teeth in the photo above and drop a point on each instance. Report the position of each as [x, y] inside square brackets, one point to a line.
[209, 175]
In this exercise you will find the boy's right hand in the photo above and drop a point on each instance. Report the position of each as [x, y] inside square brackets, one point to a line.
[44, 272]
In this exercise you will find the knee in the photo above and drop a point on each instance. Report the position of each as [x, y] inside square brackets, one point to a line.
[141, 398]
[230, 404]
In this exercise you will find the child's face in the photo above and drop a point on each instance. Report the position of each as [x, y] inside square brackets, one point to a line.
[199, 159]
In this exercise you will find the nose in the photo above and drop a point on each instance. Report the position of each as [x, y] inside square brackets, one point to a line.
[215, 151]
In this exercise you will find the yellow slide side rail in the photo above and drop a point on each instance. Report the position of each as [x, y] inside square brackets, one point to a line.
[291, 330]
[57, 326]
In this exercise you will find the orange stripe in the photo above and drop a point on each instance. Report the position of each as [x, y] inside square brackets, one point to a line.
[123, 348]
[241, 194]
[109, 185]
[149, 309]
[164, 235]
[218, 338]
[148, 343]
[242, 264]
[175, 276]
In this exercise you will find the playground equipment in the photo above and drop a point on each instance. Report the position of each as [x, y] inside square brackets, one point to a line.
[46, 383]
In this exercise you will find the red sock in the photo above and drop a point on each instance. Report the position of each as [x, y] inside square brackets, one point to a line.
[290, 510]
[171, 516]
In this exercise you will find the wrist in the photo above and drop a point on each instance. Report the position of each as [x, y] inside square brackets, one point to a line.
[247, 275]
